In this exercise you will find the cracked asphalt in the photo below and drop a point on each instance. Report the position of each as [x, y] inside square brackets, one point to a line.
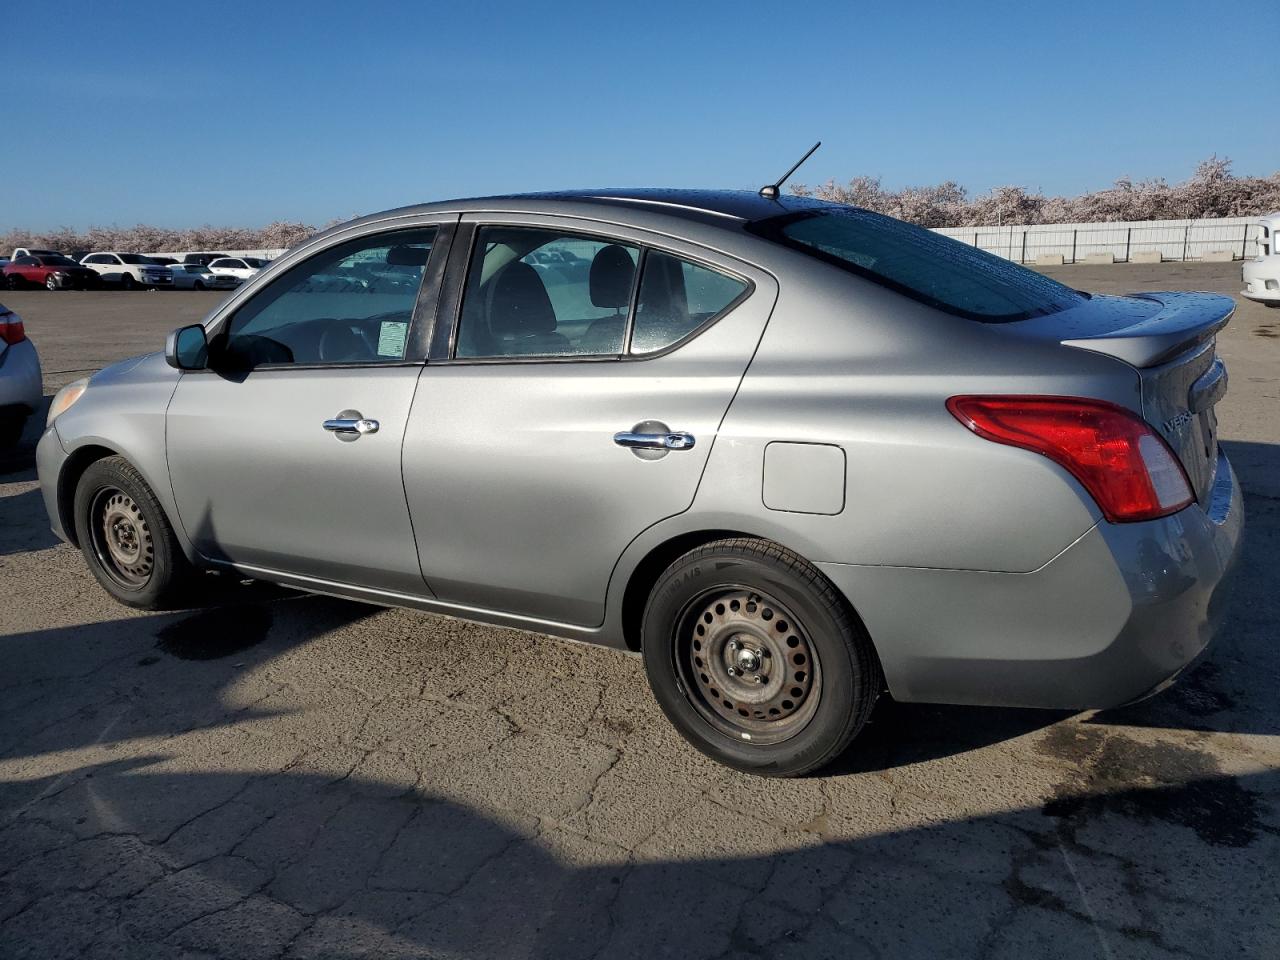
[276, 775]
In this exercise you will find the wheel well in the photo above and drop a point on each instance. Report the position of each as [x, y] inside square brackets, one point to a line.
[76, 465]
[650, 568]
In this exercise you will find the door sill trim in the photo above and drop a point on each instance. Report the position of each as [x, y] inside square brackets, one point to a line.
[392, 598]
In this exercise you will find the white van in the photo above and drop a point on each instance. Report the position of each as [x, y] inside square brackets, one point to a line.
[1262, 274]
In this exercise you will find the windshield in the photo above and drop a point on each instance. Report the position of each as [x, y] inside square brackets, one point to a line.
[921, 264]
[57, 261]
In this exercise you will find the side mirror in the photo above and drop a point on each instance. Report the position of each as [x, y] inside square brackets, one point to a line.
[187, 348]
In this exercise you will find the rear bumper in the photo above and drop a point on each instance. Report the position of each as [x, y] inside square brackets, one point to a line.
[20, 380]
[1112, 617]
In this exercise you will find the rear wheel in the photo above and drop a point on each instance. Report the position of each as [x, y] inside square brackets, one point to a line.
[13, 282]
[126, 538]
[756, 659]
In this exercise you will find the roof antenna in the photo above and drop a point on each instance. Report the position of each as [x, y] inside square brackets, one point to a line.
[771, 191]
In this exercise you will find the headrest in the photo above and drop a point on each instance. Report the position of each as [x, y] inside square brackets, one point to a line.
[519, 305]
[407, 256]
[611, 271]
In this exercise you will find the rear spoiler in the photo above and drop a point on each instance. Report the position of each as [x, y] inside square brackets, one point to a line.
[1184, 321]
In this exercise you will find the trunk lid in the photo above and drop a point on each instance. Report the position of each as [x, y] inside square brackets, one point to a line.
[1170, 340]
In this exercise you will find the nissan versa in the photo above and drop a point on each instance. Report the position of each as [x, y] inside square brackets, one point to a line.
[794, 453]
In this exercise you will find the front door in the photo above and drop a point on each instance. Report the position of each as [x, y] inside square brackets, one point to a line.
[285, 456]
[538, 444]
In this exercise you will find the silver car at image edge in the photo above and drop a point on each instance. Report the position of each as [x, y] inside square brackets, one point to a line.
[796, 454]
[21, 384]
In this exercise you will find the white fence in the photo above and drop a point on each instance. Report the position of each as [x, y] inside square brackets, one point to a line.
[1173, 239]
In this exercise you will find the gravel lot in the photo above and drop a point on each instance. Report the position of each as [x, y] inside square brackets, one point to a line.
[290, 776]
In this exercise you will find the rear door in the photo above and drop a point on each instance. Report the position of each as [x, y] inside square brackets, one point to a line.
[522, 491]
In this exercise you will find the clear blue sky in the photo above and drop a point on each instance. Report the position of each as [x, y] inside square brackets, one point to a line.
[240, 114]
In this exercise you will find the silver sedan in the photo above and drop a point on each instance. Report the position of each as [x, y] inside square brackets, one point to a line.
[795, 454]
[21, 384]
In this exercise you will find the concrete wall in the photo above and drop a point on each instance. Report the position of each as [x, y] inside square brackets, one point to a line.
[1171, 239]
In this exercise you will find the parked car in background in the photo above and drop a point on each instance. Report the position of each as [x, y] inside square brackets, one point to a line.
[32, 252]
[193, 276]
[792, 452]
[242, 268]
[51, 271]
[166, 261]
[129, 270]
[1262, 273]
[204, 259]
[21, 386]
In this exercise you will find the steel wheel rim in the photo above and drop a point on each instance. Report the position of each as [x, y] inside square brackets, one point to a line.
[747, 665]
[122, 539]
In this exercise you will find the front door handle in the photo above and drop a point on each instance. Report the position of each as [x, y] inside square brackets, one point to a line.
[351, 425]
[655, 441]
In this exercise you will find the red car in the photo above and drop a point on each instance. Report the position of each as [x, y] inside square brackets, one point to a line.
[52, 271]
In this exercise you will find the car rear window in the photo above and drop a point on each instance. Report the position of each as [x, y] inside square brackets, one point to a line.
[921, 264]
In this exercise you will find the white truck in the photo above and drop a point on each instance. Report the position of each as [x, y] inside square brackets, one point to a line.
[1262, 273]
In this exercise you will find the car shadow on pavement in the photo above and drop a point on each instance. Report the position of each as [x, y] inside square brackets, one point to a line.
[25, 523]
[132, 858]
[248, 625]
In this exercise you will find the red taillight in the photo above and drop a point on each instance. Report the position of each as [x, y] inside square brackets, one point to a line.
[1115, 454]
[11, 329]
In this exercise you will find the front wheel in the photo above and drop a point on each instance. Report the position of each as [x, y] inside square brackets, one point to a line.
[126, 538]
[50, 283]
[199, 284]
[127, 282]
[756, 658]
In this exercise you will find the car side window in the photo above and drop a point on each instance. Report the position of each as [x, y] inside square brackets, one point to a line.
[545, 293]
[676, 298]
[351, 303]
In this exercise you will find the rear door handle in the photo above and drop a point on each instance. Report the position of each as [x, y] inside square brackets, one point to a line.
[654, 441]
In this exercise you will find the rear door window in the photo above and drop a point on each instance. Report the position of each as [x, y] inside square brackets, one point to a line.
[545, 293]
[533, 292]
[926, 266]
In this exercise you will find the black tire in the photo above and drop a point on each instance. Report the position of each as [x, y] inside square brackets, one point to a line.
[786, 630]
[13, 281]
[160, 575]
[50, 283]
[127, 282]
[1273, 304]
[199, 285]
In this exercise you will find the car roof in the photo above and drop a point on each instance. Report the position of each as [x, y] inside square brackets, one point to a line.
[644, 206]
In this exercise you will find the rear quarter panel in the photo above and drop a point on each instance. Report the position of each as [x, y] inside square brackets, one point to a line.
[848, 363]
